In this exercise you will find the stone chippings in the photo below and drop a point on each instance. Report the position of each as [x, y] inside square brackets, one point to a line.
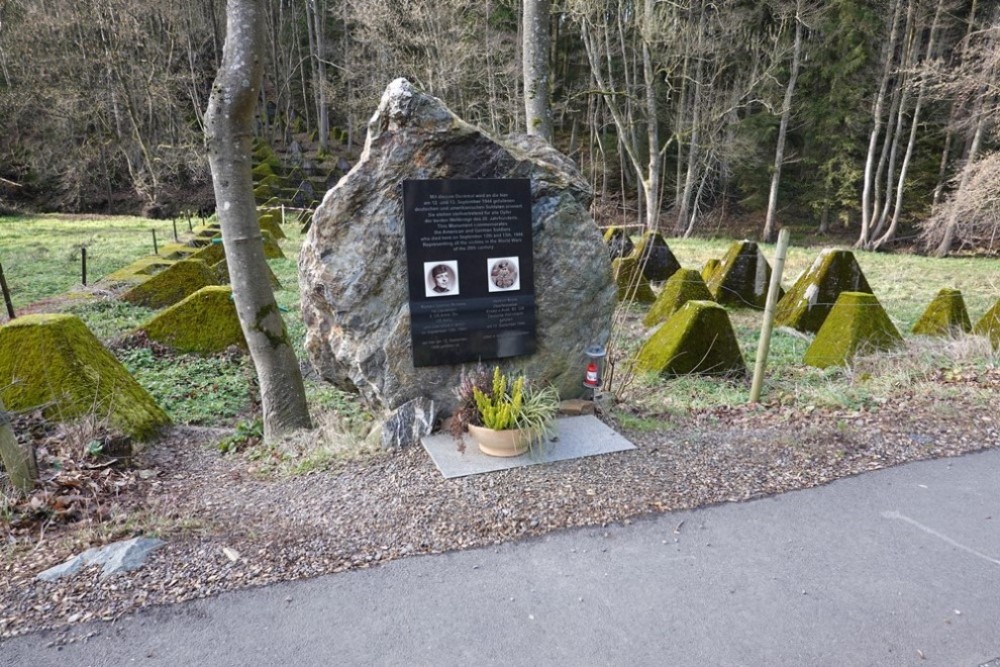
[395, 505]
[352, 267]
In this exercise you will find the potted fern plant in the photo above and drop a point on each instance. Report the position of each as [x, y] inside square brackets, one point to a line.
[504, 413]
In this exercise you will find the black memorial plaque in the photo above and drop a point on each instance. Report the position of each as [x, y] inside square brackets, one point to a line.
[470, 271]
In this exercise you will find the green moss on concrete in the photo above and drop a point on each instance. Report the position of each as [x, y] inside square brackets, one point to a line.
[711, 266]
[262, 170]
[618, 242]
[989, 325]
[210, 254]
[945, 316]
[685, 285]
[698, 338]
[808, 302]
[632, 285]
[655, 257]
[742, 278]
[204, 322]
[177, 251]
[54, 360]
[271, 222]
[170, 286]
[140, 270]
[221, 270]
[271, 248]
[857, 324]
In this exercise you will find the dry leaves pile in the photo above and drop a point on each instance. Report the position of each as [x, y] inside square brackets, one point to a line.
[228, 528]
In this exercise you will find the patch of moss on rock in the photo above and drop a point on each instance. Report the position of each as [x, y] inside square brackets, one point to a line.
[204, 322]
[711, 266]
[618, 241]
[170, 286]
[632, 285]
[685, 285]
[221, 270]
[742, 278]
[989, 325]
[261, 170]
[54, 360]
[945, 316]
[808, 302]
[655, 257]
[857, 324]
[698, 338]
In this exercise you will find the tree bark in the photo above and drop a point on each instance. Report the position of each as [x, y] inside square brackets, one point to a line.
[786, 113]
[866, 194]
[535, 61]
[228, 129]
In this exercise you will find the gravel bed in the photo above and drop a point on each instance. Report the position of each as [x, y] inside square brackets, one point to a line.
[228, 528]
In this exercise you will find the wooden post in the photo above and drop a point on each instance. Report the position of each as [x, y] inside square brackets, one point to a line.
[6, 294]
[83, 264]
[765, 333]
[19, 462]
[190, 228]
[156, 248]
[175, 230]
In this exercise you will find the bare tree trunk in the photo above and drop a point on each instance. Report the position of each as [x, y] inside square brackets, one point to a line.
[228, 128]
[866, 193]
[319, 83]
[18, 462]
[786, 113]
[535, 61]
[952, 222]
[890, 233]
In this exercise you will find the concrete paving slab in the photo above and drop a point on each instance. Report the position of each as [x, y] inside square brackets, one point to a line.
[576, 437]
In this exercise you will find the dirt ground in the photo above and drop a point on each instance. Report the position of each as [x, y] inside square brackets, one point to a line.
[229, 523]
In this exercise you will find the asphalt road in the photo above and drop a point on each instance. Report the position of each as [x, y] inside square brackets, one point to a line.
[896, 567]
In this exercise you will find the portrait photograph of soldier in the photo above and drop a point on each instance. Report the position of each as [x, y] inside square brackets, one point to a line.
[441, 278]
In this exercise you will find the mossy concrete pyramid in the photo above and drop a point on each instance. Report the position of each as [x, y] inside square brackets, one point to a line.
[270, 222]
[945, 316]
[742, 277]
[685, 285]
[989, 325]
[139, 270]
[810, 299]
[55, 361]
[619, 243]
[632, 285]
[172, 284]
[271, 248]
[711, 266]
[698, 338]
[204, 322]
[856, 324]
[655, 257]
[222, 274]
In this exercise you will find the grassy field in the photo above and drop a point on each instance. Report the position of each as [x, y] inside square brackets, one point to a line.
[41, 259]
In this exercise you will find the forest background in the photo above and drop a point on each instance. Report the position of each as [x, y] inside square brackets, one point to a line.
[872, 118]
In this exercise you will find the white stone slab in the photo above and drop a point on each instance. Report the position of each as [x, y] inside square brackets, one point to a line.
[576, 437]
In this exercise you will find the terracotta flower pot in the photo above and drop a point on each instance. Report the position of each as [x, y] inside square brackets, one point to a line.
[508, 442]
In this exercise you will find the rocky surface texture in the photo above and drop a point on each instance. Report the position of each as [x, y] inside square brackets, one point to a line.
[353, 263]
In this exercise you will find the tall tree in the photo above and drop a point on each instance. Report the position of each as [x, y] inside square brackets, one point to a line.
[786, 114]
[228, 132]
[535, 50]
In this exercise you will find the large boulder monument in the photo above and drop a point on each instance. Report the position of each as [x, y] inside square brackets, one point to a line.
[360, 294]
